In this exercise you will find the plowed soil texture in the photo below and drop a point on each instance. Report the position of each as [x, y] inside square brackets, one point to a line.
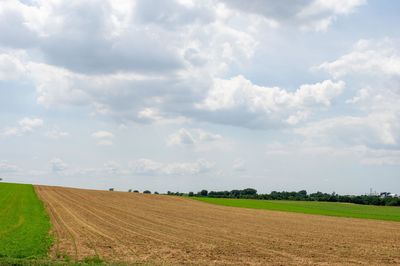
[167, 230]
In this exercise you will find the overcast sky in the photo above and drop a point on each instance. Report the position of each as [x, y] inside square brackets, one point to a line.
[183, 95]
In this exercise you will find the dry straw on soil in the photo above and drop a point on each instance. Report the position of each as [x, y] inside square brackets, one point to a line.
[132, 227]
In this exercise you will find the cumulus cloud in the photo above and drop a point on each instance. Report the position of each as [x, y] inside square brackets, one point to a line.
[25, 125]
[56, 133]
[374, 66]
[315, 15]
[207, 136]
[184, 137]
[16, 24]
[181, 137]
[148, 63]
[127, 60]
[28, 124]
[58, 165]
[368, 57]
[11, 67]
[240, 102]
[104, 138]
[149, 167]
[374, 129]
[102, 134]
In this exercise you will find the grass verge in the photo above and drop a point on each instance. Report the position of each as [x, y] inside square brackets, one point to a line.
[24, 223]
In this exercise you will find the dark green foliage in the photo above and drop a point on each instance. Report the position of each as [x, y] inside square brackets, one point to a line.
[191, 194]
[203, 193]
[147, 192]
[250, 193]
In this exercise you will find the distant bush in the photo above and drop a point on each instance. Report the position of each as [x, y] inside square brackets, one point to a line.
[147, 192]
[191, 194]
[156, 193]
[203, 193]
[136, 191]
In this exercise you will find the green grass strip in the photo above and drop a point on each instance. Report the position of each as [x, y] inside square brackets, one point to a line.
[24, 223]
[313, 207]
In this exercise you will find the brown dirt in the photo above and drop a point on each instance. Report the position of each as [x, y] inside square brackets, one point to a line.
[168, 230]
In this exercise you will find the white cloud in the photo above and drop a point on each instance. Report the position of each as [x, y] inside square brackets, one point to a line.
[239, 101]
[56, 134]
[181, 137]
[11, 131]
[58, 165]
[320, 14]
[374, 66]
[373, 129]
[25, 125]
[28, 124]
[149, 167]
[368, 57]
[104, 138]
[11, 68]
[197, 138]
[207, 136]
[195, 44]
[177, 54]
[315, 15]
[102, 134]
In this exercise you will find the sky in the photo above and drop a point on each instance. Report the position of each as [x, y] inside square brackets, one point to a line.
[185, 95]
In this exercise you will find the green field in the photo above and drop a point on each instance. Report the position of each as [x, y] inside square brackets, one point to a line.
[24, 224]
[313, 207]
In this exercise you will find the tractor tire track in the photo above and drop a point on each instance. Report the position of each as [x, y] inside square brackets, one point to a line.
[156, 229]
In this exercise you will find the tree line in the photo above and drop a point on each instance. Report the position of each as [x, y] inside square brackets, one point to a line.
[251, 193]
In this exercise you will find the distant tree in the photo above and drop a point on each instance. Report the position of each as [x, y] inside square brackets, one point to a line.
[302, 193]
[111, 189]
[136, 191]
[156, 193]
[191, 194]
[204, 193]
[130, 190]
[249, 191]
[235, 193]
[169, 192]
[147, 192]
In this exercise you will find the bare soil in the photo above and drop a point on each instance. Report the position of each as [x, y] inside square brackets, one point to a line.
[169, 230]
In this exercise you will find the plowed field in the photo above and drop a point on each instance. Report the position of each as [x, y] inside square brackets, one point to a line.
[131, 227]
